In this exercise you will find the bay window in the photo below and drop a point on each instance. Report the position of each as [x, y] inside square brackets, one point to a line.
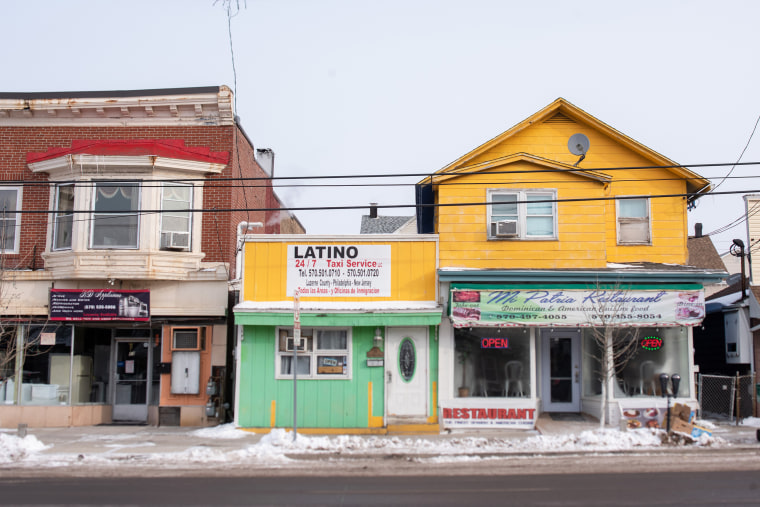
[176, 200]
[115, 218]
[64, 217]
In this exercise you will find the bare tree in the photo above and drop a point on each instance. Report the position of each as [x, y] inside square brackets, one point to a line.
[615, 345]
[15, 342]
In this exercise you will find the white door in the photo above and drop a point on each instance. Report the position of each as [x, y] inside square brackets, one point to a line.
[561, 370]
[406, 374]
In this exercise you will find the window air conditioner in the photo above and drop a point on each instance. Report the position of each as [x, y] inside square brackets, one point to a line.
[504, 228]
[289, 344]
[175, 240]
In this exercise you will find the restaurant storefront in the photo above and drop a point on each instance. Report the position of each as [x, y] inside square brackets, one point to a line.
[516, 350]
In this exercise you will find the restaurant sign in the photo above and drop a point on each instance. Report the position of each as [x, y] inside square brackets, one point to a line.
[575, 307]
[99, 305]
[458, 416]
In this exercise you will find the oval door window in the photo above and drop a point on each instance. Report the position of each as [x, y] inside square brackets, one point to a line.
[407, 359]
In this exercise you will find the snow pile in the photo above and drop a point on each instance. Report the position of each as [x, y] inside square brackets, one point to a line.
[222, 431]
[13, 448]
[753, 422]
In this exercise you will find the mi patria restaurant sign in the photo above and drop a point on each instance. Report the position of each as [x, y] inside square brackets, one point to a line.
[350, 270]
[575, 307]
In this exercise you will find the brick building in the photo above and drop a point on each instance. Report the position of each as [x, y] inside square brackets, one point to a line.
[121, 212]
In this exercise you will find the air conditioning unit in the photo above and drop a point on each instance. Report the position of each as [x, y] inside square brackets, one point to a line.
[504, 228]
[291, 340]
[175, 240]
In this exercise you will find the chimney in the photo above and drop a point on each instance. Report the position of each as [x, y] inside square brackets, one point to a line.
[698, 230]
[265, 158]
[373, 210]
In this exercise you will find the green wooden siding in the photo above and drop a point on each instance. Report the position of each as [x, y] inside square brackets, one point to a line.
[322, 403]
[433, 348]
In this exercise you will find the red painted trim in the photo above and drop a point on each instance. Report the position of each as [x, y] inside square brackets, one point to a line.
[169, 148]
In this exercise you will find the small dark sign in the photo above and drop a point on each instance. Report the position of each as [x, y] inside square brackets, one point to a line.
[99, 304]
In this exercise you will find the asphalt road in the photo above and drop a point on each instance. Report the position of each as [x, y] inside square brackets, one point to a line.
[733, 488]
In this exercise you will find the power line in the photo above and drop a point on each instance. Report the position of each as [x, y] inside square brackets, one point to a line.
[390, 206]
[741, 154]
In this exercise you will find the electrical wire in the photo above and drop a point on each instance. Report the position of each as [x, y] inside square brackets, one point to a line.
[741, 154]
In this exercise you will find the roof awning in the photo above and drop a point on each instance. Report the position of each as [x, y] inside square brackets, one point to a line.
[316, 313]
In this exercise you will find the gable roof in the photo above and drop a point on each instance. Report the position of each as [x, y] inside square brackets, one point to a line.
[549, 165]
[702, 253]
[694, 182]
[383, 224]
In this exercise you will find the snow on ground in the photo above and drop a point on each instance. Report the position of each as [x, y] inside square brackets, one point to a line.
[14, 448]
[753, 422]
[278, 449]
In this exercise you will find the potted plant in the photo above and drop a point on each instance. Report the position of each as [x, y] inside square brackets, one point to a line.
[464, 350]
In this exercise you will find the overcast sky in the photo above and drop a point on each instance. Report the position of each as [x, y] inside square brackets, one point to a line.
[340, 87]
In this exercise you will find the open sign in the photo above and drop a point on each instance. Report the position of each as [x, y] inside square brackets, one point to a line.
[494, 343]
[651, 343]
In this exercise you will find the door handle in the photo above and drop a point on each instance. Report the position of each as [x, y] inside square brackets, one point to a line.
[389, 377]
[577, 376]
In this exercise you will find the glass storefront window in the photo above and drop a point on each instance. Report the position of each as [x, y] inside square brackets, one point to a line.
[658, 350]
[492, 363]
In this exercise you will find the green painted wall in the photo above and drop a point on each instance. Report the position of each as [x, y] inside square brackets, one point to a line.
[323, 403]
[433, 346]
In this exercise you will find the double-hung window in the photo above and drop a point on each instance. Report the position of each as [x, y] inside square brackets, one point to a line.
[176, 200]
[321, 353]
[10, 221]
[115, 218]
[64, 217]
[522, 214]
[633, 222]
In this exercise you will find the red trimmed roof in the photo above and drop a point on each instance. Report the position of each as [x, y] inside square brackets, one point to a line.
[169, 148]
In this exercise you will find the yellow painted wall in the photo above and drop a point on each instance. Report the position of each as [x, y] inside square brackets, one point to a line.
[587, 236]
[413, 269]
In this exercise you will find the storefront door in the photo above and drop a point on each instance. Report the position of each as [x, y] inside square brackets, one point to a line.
[561, 370]
[406, 374]
[130, 374]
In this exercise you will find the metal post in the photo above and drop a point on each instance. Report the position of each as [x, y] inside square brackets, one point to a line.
[19, 366]
[738, 397]
[296, 341]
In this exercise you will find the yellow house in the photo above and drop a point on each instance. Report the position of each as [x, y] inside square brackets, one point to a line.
[559, 239]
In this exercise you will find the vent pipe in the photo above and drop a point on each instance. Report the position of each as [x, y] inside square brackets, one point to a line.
[373, 210]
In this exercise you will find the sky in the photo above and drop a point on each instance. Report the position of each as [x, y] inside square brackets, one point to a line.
[363, 87]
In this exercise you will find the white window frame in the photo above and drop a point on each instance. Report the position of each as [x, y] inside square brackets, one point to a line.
[16, 217]
[522, 212]
[58, 215]
[620, 219]
[165, 212]
[136, 212]
[311, 335]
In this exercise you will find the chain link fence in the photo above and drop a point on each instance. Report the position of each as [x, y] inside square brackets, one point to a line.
[723, 397]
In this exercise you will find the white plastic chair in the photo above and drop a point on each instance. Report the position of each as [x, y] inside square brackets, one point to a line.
[513, 384]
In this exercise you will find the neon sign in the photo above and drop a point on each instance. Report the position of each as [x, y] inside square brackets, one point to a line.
[651, 343]
[494, 343]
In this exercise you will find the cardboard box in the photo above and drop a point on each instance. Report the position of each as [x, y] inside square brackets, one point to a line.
[683, 412]
[681, 426]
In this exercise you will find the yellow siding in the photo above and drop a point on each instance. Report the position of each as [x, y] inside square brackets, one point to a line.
[587, 230]
[413, 270]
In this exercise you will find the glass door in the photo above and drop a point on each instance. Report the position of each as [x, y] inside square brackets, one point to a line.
[561, 372]
[131, 379]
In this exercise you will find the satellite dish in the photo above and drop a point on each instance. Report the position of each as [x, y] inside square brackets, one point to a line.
[578, 144]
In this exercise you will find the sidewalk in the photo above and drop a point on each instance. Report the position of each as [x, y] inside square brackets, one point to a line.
[224, 447]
